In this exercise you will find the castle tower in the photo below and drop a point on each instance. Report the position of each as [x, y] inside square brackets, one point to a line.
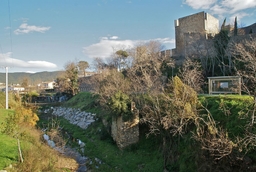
[197, 26]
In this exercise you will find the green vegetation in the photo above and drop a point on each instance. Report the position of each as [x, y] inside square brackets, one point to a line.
[8, 151]
[231, 114]
[8, 145]
[84, 101]
[17, 126]
[143, 156]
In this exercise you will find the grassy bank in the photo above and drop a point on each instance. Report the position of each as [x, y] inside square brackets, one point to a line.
[36, 155]
[8, 145]
[230, 113]
[143, 156]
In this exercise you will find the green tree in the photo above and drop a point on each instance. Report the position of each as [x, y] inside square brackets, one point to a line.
[223, 25]
[235, 27]
[224, 63]
[71, 76]
[83, 65]
[121, 57]
[118, 102]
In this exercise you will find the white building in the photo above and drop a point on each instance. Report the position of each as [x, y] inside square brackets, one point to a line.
[15, 89]
[47, 85]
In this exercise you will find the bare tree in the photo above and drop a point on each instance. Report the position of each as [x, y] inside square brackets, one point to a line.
[98, 64]
[191, 74]
[243, 50]
[145, 73]
[110, 82]
[169, 114]
[62, 84]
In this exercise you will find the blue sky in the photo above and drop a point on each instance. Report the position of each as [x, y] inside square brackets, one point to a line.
[44, 35]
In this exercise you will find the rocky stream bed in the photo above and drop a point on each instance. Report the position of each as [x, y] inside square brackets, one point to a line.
[76, 117]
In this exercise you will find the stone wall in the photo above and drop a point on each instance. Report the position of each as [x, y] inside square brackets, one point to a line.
[211, 24]
[74, 116]
[125, 133]
[86, 84]
[198, 24]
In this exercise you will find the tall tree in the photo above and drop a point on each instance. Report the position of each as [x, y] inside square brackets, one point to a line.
[224, 63]
[71, 75]
[83, 65]
[121, 59]
[223, 24]
[235, 27]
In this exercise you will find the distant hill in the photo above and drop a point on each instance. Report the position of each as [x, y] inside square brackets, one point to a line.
[34, 78]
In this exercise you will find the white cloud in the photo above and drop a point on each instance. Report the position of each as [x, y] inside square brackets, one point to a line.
[239, 16]
[25, 28]
[107, 46]
[223, 7]
[238, 5]
[7, 61]
[199, 4]
[217, 9]
[165, 40]
[113, 37]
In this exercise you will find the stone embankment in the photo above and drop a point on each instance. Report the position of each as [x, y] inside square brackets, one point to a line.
[74, 116]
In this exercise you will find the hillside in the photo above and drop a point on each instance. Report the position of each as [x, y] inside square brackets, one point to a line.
[33, 77]
[230, 114]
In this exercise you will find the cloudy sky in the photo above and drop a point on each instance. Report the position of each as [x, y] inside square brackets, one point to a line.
[43, 35]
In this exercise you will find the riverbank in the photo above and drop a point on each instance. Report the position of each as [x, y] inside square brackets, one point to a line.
[100, 150]
[33, 154]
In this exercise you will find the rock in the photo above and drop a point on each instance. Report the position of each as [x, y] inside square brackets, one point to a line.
[81, 159]
[82, 169]
[81, 144]
[46, 137]
[51, 143]
[75, 116]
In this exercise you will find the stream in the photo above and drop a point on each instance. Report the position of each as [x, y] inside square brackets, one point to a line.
[76, 117]
[69, 152]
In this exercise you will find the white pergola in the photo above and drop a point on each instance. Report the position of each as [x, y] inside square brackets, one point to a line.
[224, 85]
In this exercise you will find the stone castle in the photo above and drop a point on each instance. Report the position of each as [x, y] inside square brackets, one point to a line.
[195, 28]
[198, 26]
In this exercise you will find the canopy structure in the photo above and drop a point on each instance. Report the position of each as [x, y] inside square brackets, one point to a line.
[224, 85]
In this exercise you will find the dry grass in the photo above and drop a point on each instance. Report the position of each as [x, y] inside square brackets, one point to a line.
[40, 157]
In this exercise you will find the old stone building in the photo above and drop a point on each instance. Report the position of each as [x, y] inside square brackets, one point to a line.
[191, 28]
[125, 133]
[194, 33]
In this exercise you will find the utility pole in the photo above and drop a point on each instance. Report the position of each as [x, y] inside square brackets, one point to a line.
[6, 87]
